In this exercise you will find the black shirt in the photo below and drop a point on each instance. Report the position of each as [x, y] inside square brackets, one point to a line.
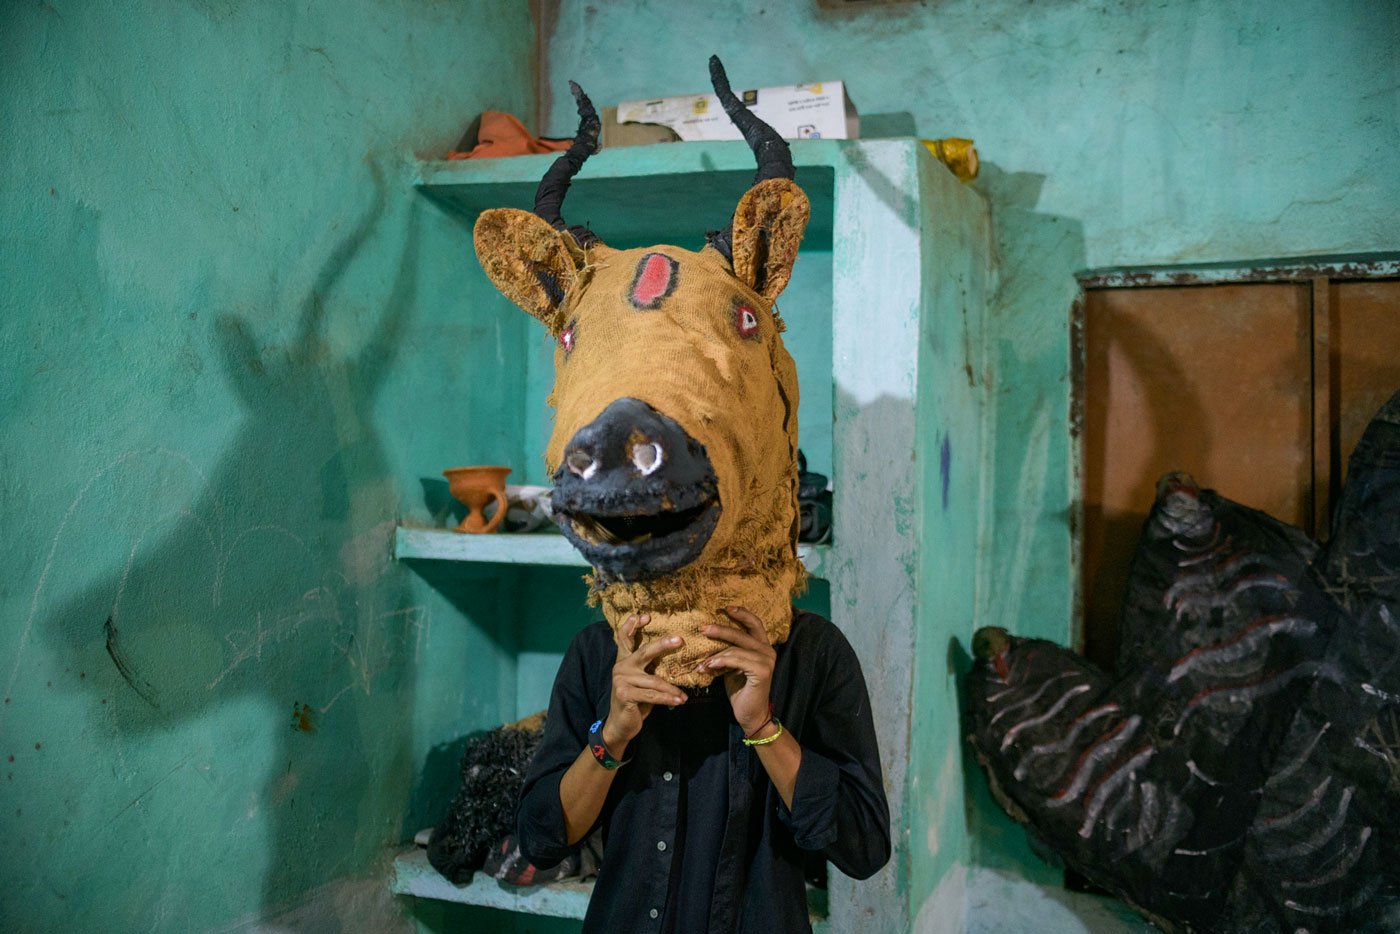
[695, 836]
[699, 731]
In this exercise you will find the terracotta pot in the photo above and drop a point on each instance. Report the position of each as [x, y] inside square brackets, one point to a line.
[474, 487]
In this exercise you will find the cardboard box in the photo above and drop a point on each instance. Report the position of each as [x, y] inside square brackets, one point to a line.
[633, 134]
[796, 111]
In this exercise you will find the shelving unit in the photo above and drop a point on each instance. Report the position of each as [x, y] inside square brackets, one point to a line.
[885, 318]
[538, 549]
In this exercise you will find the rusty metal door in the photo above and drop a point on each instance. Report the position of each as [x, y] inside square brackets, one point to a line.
[1258, 389]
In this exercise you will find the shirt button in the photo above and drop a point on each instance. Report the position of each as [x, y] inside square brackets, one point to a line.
[661, 845]
[654, 913]
[666, 776]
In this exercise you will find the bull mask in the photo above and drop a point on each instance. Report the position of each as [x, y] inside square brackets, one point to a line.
[674, 450]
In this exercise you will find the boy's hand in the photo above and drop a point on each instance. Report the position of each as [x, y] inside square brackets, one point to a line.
[749, 665]
[634, 688]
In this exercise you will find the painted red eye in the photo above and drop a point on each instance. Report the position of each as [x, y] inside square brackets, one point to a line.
[746, 321]
[566, 338]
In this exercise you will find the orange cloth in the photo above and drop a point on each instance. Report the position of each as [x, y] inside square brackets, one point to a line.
[503, 135]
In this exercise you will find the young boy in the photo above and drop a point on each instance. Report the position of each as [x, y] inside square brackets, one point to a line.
[711, 801]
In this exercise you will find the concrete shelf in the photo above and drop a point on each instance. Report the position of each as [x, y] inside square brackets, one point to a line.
[414, 875]
[417, 544]
[631, 193]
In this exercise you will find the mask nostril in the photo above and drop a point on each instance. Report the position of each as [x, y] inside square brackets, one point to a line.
[581, 464]
[647, 457]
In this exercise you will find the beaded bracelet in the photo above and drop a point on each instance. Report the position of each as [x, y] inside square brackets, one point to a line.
[767, 739]
[600, 748]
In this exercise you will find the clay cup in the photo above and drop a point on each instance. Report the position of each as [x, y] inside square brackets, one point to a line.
[474, 487]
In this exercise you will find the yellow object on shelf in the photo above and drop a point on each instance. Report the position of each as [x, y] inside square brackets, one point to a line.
[957, 154]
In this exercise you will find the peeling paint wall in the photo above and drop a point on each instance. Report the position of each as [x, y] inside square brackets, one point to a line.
[233, 341]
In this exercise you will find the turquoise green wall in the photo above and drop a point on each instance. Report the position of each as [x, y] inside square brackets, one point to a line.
[232, 344]
[1164, 132]
[953, 479]
[233, 339]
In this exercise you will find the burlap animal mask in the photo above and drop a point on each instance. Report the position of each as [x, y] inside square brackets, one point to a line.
[674, 451]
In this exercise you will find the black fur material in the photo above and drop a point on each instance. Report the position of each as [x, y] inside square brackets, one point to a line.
[1240, 772]
[483, 813]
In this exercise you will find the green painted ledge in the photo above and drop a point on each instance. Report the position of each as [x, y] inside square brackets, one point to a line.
[414, 875]
[416, 544]
[629, 194]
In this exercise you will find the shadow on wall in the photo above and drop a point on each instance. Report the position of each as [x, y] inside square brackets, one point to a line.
[905, 204]
[263, 586]
[1029, 494]
[1028, 497]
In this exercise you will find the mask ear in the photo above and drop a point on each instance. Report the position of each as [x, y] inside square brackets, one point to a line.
[532, 264]
[768, 226]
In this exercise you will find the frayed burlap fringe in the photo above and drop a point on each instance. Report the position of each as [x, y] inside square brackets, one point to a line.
[680, 604]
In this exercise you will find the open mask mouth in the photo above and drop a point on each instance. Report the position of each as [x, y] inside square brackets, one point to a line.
[635, 494]
[631, 537]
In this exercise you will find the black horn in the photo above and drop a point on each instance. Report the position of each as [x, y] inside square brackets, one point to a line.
[771, 150]
[549, 197]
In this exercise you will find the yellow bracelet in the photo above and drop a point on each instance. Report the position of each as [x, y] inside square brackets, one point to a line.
[767, 739]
